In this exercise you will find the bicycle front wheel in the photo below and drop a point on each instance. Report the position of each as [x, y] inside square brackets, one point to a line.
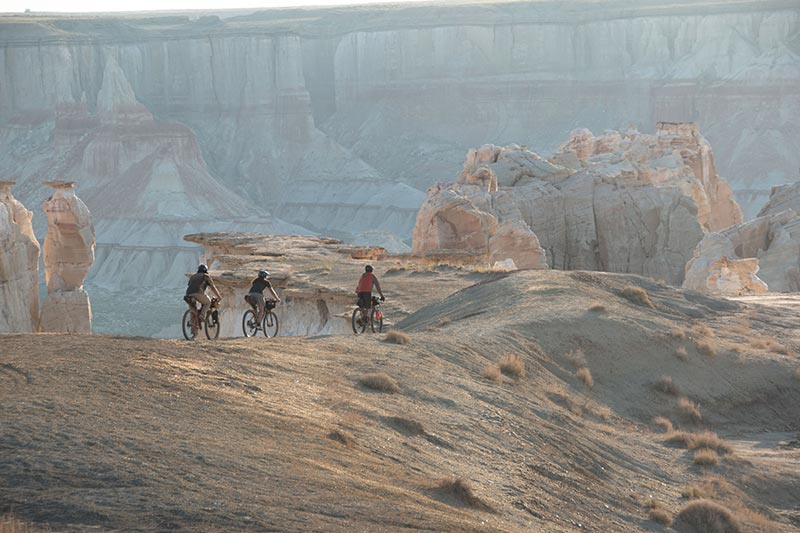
[189, 333]
[376, 321]
[212, 326]
[249, 324]
[358, 322]
[270, 324]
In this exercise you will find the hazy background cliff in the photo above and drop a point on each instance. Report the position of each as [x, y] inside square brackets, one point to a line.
[337, 120]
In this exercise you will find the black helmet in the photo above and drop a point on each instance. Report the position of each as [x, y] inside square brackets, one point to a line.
[202, 268]
[263, 273]
[368, 268]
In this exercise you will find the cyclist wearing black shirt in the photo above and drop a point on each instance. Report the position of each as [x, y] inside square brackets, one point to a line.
[257, 292]
[196, 289]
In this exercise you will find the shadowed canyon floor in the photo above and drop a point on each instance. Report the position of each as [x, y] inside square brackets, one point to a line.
[281, 434]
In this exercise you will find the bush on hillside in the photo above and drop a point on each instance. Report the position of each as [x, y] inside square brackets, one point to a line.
[708, 517]
[379, 381]
[636, 295]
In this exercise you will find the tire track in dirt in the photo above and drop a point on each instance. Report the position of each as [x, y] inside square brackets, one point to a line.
[12, 377]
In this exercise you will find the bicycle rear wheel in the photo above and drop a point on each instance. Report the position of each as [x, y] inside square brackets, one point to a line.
[186, 325]
[212, 326]
[270, 324]
[249, 324]
[358, 322]
[376, 320]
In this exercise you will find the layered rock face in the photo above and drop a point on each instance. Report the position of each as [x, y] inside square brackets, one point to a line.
[19, 266]
[622, 202]
[68, 254]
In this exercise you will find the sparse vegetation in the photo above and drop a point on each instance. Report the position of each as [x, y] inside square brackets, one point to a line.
[666, 385]
[678, 333]
[341, 436]
[379, 381]
[492, 373]
[704, 456]
[681, 353]
[706, 348]
[597, 307]
[701, 439]
[585, 376]
[512, 365]
[663, 423]
[693, 493]
[636, 295]
[690, 408]
[406, 425]
[661, 516]
[702, 330]
[398, 337]
[577, 358]
[461, 490]
[709, 517]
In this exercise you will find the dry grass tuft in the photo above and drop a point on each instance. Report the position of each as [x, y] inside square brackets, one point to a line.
[492, 373]
[775, 347]
[678, 333]
[637, 295]
[690, 408]
[681, 353]
[379, 381]
[706, 348]
[406, 425]
[702, 330]
[512, 365]
[342, 436]
[704, 457]
[709, 517]
[460, 489]
[597, 307]
[663, 423]
[585, 376]
[398, 337]
[693, 493]
[666, 385]
[661, 516]
[701, 439]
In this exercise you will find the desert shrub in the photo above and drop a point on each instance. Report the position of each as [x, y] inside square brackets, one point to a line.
[597, 307]
[759, 344]
[678, 333]
[406, 425]
[693, 493]
[665, 385]
[663, 423]
[702, 330]
[661, 516]
[461, 490]
[636, 295]
[585, 376]
[512, 365]
[707, 517]
[701, 439]
[379, 381]
[706, 348]
[704, 456]
[398, 337]
[681, 353]
[341, 436]
[776, 347]
[492, 373]
[690, 408]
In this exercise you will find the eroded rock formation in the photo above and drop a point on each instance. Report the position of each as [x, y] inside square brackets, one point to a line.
[620, 202]
[19, 266]
[68, 254]
[773, 240]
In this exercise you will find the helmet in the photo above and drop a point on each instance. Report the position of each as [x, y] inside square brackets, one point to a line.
[263, 273]
[368, 268]
[202, 268]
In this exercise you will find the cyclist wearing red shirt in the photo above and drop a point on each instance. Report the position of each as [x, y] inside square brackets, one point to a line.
[364, 289]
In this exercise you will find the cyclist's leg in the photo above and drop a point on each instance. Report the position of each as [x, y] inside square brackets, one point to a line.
[258, 299]
[205, 301]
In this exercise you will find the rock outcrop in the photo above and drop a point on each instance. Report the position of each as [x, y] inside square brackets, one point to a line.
[772, 240]
[68, 254]
[621, 202]
[19, 266]
[730, 277]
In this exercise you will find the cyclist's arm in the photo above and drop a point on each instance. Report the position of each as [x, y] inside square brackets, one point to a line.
[275, 294]
[377, 285]
[214, 288]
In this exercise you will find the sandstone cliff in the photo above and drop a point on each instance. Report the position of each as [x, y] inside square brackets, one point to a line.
[19, 266]
[621, 202]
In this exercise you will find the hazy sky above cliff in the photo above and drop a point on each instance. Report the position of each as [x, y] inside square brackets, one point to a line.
[77, 6]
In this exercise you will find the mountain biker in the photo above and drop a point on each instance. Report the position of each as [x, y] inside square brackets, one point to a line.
[198, 282]
[364, 288]
[257, 292]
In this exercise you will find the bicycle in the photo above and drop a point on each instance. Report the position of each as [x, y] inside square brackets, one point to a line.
[191, 320]
[374, 319]
[269, 322]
